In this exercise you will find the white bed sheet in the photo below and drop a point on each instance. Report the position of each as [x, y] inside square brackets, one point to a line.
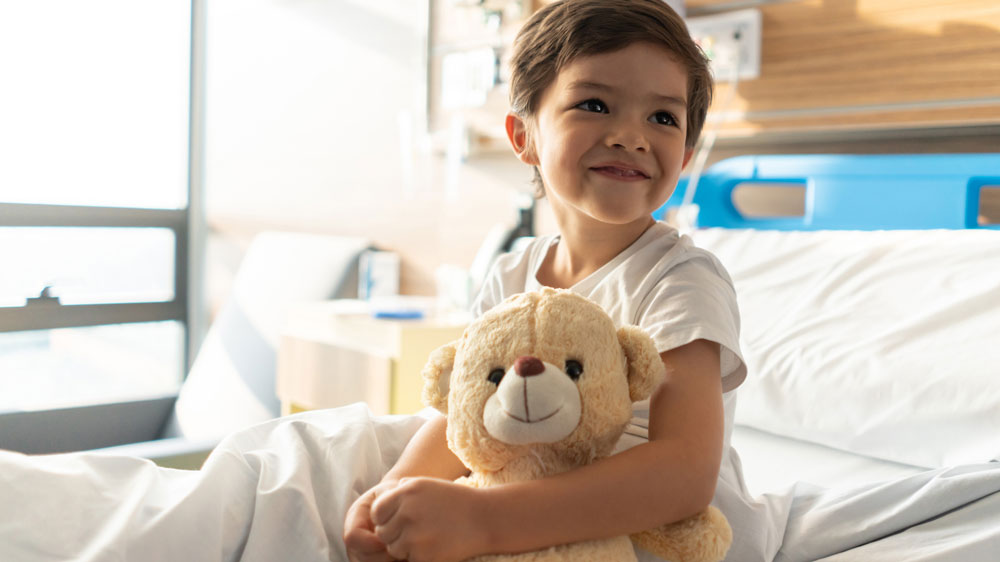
[942, 515]
[773, 463]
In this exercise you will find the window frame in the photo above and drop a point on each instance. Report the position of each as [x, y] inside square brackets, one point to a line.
[33, 316]
[84, 427]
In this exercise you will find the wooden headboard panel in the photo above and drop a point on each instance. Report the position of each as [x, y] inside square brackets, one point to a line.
[867, 64]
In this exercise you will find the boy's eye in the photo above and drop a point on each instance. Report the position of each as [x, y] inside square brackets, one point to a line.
[663, 118]
[496, 375]
[574, 369]
[595, 105]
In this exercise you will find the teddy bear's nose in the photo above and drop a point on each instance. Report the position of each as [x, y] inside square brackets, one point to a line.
[527, 366]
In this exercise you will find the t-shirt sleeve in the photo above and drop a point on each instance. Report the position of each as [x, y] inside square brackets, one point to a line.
[697, 301]
[489, 293]
[505, 278]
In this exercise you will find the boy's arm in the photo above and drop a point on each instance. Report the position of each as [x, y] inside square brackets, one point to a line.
[669, 478]
[427, 454]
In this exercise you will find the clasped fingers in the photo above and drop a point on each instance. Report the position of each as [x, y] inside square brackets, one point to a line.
[360, 540]
[426, 519]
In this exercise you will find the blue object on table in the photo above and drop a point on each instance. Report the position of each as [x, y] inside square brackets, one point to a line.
[398, 314]
[851, 192]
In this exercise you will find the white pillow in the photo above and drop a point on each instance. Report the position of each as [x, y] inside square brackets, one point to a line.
[884, 343]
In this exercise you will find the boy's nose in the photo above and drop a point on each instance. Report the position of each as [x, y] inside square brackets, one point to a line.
[640, 147]
[629, 138]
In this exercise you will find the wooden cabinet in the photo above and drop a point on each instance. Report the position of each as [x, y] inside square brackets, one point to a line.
[332, 354]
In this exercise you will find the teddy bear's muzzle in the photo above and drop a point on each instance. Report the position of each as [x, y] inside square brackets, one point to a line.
[535, 402]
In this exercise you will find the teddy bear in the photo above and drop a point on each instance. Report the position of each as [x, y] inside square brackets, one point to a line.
[541, 384]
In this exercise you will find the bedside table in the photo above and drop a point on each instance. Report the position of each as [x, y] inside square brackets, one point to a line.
[334, 353]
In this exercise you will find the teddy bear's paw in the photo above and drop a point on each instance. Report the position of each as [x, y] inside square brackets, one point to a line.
[704, 537]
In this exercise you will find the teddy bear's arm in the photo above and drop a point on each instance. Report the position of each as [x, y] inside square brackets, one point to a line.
[704, 537]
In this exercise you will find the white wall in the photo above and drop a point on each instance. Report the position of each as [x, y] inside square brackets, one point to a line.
[303, 111]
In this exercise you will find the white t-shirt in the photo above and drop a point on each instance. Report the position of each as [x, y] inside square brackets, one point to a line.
[677, 293]
[662, 283]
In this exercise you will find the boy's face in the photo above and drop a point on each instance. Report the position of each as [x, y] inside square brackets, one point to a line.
[608, 136]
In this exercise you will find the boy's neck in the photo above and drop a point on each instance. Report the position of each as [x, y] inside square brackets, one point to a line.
[582, 251]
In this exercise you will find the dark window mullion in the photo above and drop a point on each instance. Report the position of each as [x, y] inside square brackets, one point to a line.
[48, 317]
[25, 214]
[181, 282]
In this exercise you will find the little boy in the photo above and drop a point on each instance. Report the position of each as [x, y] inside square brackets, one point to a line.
[608, 98]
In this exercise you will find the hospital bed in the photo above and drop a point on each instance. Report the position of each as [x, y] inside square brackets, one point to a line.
[868, 427]
[871, 331]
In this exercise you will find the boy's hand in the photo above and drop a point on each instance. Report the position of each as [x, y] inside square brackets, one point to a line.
[428, 519]
[359, 531]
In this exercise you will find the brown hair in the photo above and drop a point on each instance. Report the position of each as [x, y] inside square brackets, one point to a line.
[560, 32]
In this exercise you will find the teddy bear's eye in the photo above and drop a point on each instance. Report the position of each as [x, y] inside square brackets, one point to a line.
[496, 375]
[574, 369]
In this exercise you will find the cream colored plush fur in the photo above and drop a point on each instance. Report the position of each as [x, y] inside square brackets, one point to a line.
[536, 420]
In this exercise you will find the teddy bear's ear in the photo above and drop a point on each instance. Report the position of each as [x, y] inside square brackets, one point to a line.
[645, 368]
[436, 374]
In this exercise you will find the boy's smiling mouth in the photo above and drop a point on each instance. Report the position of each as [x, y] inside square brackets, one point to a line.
[620, 171]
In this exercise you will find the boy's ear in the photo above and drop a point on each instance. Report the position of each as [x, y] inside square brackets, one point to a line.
[688, 153]
[517, 133]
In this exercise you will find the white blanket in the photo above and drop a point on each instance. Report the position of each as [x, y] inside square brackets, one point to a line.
[279, 491]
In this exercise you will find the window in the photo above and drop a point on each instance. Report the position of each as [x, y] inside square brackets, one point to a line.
[95, 201]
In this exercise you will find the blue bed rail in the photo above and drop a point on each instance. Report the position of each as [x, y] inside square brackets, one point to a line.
[851, 192]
